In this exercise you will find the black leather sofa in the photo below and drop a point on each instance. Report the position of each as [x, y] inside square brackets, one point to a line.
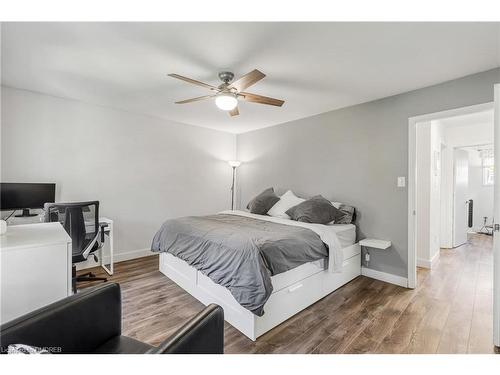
[90, 322]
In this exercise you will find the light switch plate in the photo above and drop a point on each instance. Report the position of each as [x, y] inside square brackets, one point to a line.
[401, 181]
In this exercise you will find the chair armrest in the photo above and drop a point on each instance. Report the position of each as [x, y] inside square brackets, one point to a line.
[91, 246]
[76, 324]
[203, 334]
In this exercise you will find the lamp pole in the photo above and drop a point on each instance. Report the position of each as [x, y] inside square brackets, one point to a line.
[232, 190]
[234, 164]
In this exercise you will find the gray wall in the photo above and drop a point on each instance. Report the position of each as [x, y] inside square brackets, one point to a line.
[143, 170]
[354, 155]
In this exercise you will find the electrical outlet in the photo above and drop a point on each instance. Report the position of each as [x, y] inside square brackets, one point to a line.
[367, 257]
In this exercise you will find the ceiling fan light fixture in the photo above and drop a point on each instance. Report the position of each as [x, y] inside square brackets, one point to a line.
[229, 93]
[226, 101]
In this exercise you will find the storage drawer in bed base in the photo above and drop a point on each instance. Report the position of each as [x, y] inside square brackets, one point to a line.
[282, 304]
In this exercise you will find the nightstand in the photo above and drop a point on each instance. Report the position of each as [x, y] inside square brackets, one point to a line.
[375, 244]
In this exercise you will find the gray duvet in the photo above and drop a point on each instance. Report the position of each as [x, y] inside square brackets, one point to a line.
[238, 252]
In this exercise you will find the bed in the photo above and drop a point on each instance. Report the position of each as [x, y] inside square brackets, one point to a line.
[287, 284]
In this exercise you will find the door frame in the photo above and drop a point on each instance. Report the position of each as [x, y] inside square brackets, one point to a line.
[496, 239]
[412, 176]
[454, 206]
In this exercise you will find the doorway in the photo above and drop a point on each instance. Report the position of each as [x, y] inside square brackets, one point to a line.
[464, 166]
[452, 196]
[438, 210]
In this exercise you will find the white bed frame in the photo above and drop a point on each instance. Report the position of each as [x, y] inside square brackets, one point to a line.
[294, 290]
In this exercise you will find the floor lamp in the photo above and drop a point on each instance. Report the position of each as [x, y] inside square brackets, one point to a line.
[234, 164]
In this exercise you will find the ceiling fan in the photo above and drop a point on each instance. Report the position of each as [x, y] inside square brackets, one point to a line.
[227, 93]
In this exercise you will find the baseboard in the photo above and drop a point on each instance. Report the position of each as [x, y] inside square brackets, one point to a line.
[386, 277]
[117, 257]
[425, 263]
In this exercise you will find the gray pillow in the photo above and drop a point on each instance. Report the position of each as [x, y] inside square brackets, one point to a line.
[263, 202]
[348, 214]
[316, 210]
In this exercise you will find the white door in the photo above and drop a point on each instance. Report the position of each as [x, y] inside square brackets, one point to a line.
[460, 196]
[496, 238]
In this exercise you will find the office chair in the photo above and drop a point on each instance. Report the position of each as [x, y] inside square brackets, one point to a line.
[84, 234]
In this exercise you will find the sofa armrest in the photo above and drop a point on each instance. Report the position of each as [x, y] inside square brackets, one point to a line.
[76, 324]
[203, 334]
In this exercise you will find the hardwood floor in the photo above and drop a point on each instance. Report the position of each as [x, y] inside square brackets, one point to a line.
[449, 312]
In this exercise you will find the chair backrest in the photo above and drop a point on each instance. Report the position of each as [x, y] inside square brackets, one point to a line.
[203, 334]
[80, 220]
[75, 324]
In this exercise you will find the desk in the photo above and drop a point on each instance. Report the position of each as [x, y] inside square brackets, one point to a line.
[35, 268]
[108, 231]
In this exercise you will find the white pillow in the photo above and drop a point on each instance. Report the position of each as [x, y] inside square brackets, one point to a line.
[287, 201]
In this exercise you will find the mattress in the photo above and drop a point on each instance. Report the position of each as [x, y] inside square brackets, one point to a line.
[327, 233]
[241, 252]
[346, 233]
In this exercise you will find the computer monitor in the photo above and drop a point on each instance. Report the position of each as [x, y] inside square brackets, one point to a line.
[23, 196]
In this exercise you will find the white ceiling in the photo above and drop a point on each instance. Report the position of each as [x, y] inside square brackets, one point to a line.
[314, 67]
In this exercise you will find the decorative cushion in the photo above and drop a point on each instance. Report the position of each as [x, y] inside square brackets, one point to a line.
[317, 210]
[287, 201]
[348, 211]
[25, 349]
[263, 202]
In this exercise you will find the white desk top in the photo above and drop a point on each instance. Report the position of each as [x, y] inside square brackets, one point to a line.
[29, 235]
[39, 219]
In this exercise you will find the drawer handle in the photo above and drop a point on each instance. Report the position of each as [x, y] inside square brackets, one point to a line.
[294, 288]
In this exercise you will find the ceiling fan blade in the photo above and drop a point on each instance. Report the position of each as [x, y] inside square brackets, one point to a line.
[195, 99]
[254, 98]
[193, 81]
[234, 112]
[247, 80]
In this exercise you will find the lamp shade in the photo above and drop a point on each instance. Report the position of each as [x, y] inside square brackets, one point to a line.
[226, 101]
[234, 163]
